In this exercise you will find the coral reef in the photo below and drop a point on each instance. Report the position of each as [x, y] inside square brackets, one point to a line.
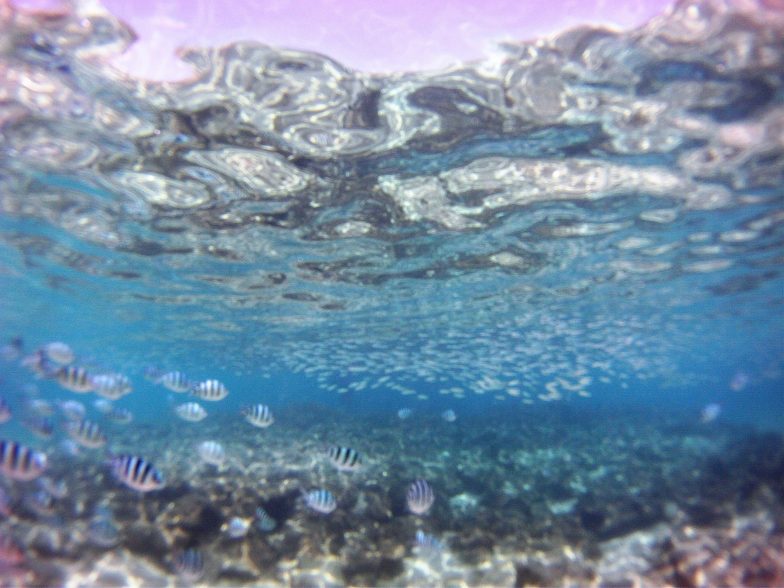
[526, 501]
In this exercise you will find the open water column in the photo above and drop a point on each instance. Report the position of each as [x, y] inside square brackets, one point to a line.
[412, 294]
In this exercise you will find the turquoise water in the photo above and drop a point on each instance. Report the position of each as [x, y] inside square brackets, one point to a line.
[575, 247]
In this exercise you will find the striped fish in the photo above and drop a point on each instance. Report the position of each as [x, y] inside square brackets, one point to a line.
[20, 462]
[122, 416]
[420, 497]
[258, 415]
[175, 381]
[211, 390]
[41, 503]
[58, 352]
[42, 427]
[5, 410]
[74, 378]
[39, 407]
[427, 543]
[191, 412]
[404, 413]
[189, 565]
[72, 410]
[111, 386]
[321, 500]
[136, 472]
[102, 532]
[264, 522]
[86, 433]
[345, 459]
[212, 452]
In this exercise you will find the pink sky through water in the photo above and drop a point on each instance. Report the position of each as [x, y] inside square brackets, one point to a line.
[369, 35]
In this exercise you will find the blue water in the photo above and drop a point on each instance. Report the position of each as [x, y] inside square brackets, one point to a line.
[577, 249]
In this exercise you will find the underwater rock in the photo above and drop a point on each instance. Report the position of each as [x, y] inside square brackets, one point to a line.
[146, 540]
[235, 574]
[372, 571]
[464, 504]
[620, 516]
[749, 553]
[111, 579]
[374, 504]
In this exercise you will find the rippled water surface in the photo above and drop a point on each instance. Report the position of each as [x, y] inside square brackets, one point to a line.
[593, 204]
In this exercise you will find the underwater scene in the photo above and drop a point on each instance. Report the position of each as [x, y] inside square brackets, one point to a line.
[517, 322]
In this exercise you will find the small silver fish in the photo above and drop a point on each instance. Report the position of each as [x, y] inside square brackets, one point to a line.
[710, 413]
[212, 452]
[258, 415]
[420, 497]
[344, 459]
[137, 473]
[191, 412]
[86, 433]
[321, 500]
[449, 416]
[19, 462]
[211, 390]
[404, 413]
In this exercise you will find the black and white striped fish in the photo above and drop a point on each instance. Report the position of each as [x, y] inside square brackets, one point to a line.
[321, 500]
[193, 412]
[427, 543]
[122, 416]
[58, 352]
[40, 426]
[189, 565]
[74, 378]
[211, 390]
[72, 410]
[111, 386]
[136, 472]
[420, 497]
[175, 381]
[211, 452]
[86, 433]
[19, 462]
[258, 415]
[345, 459]
[264, 522]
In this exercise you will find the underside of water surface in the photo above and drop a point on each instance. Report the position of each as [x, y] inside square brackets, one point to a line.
[549, 283]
